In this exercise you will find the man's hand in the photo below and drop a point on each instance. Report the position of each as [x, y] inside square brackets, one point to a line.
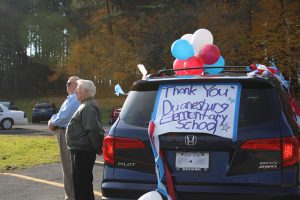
[52, 128]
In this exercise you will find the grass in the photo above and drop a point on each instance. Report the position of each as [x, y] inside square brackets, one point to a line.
[105, 103]
[25, 151]
[18, 152]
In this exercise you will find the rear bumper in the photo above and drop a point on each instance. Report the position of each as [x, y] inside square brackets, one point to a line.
[125, 190]
[191, 192]
[41, 117]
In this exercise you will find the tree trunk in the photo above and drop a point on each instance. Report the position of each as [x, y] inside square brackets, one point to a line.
[109, 20]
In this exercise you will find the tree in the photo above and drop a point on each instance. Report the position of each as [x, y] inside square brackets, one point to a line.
[12, 54]
[105, 40]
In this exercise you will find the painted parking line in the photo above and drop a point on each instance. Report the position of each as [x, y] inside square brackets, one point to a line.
[43, 181]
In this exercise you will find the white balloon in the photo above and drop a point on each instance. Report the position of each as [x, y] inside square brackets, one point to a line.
[200, 38]
[153, 195]
[262, 67]
[188, 37]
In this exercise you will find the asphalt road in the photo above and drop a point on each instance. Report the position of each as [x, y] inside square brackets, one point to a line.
[34, 129]
[30, 129]
[40, 182]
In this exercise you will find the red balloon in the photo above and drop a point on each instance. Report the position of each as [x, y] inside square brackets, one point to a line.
[209, 53]
[194, 62]
[179, 64]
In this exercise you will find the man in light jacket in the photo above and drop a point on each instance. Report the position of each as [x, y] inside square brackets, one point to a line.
[58, 123]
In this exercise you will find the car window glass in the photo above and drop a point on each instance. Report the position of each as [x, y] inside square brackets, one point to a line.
[258, 106]
[39, 106]
[6, 104]
[47, 106]
[138, 108]
[287, 109]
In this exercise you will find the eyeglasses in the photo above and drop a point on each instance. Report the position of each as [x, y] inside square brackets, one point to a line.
[68, 84]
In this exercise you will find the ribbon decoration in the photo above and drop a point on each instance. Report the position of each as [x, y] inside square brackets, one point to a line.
[118, 90]
[259, 69]
[161, 166]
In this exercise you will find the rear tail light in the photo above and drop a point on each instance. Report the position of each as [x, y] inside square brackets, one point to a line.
[108, 150]
[110, 144]
[289, 148]
[272, 144]
[290, 151]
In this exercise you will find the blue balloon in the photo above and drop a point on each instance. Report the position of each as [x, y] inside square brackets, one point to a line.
[220, 63]
[182, 49]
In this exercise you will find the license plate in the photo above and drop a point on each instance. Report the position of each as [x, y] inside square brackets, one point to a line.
[192, 161]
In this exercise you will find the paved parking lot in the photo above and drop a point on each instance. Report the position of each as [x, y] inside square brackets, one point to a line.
[35, 129]
[40, 182]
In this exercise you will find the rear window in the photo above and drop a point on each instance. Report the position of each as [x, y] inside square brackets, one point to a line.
[138, 108]
[257, 106]
[43, 105]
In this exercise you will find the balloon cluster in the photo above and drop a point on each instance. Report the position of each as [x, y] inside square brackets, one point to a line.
[196, 50]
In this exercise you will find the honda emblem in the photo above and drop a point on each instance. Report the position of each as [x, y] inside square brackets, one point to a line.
[190, 140]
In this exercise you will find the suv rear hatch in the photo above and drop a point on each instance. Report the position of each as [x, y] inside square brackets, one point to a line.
[200, 158]
[257, 149]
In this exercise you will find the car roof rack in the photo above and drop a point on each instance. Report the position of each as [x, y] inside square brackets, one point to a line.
[233, 69]
[251, 70]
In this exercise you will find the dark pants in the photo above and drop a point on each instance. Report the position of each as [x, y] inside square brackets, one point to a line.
[82, 170]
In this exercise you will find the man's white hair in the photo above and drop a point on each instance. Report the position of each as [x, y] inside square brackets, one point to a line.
[88, 86]
[74, 78]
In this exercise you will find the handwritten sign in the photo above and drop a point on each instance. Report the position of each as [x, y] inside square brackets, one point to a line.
[202, 108]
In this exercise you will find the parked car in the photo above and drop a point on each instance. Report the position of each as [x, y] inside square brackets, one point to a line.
[260, 160]
[114, 114]
[8, 118]
[9, 105]
[43, 111]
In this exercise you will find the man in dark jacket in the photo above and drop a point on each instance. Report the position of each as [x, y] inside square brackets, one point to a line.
[84, 139]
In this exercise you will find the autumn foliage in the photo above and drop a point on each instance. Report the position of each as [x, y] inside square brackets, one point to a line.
[245, 31]
[105, 40]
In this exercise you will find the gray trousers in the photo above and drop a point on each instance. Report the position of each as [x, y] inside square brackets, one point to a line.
[66, 162]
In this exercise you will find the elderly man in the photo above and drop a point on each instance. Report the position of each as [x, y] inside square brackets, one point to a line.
[84, 139]
[58, 123]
